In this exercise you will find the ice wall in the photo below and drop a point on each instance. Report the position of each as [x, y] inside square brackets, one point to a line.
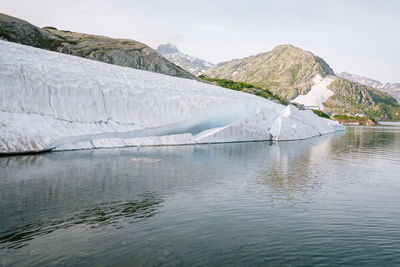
[53, 101]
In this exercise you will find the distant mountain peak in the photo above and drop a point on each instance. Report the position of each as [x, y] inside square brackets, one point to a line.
[167, 49]
[192, 64]
[285, 46]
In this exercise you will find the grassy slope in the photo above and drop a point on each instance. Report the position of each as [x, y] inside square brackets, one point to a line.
[247, 88]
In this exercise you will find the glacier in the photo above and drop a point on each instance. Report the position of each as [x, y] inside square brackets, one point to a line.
[51, 101]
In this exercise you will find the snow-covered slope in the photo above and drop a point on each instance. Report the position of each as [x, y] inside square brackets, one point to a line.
[318, 94]
[192, 64]
[52, 101]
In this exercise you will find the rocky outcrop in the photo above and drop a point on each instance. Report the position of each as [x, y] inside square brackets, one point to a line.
[121, 52]
[20, 31]
[392, 89]
[354, 98]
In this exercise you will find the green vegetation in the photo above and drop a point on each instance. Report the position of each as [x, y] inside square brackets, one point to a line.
[247, 88]
[321, 114]
[238, 86]
[355, 119]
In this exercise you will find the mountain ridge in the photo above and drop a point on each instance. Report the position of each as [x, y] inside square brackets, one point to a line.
[271, 70]
[292, 73]
[121, 52]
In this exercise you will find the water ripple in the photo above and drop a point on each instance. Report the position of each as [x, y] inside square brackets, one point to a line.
[103, 214]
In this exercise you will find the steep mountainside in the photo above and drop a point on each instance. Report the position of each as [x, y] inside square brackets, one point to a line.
[355, 98]
[122, 52]
[286, 70]
[194, 65]
[301, 77]
[392, 89]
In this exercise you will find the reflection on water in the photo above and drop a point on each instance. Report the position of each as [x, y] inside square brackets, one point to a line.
[326, 200]
[98, 216]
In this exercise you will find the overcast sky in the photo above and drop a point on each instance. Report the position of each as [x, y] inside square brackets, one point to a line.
[358, 36]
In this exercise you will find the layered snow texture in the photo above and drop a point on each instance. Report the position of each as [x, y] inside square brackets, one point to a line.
[52, 101]
[318, 94]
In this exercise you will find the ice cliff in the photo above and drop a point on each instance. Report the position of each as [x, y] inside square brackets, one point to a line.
[52, 101]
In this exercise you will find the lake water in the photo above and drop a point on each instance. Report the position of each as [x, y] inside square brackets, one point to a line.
[331, 200]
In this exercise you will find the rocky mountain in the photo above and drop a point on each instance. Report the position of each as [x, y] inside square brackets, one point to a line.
[392, 89]
[286, 70]
[121, 52]
[354, 98]
[192, 64]
[301, 77]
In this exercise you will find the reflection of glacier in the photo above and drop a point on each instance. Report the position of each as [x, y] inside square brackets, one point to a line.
[54, 101]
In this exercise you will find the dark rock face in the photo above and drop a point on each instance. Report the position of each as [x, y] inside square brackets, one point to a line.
[20, 31]
[121, 52]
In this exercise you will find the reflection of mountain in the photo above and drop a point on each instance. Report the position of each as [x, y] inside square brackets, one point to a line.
[70, 182]
[295, 169]
[298, 168]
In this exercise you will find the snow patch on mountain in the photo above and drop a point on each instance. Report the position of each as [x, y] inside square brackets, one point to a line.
[318, 94]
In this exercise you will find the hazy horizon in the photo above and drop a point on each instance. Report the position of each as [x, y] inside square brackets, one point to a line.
[359, 37]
